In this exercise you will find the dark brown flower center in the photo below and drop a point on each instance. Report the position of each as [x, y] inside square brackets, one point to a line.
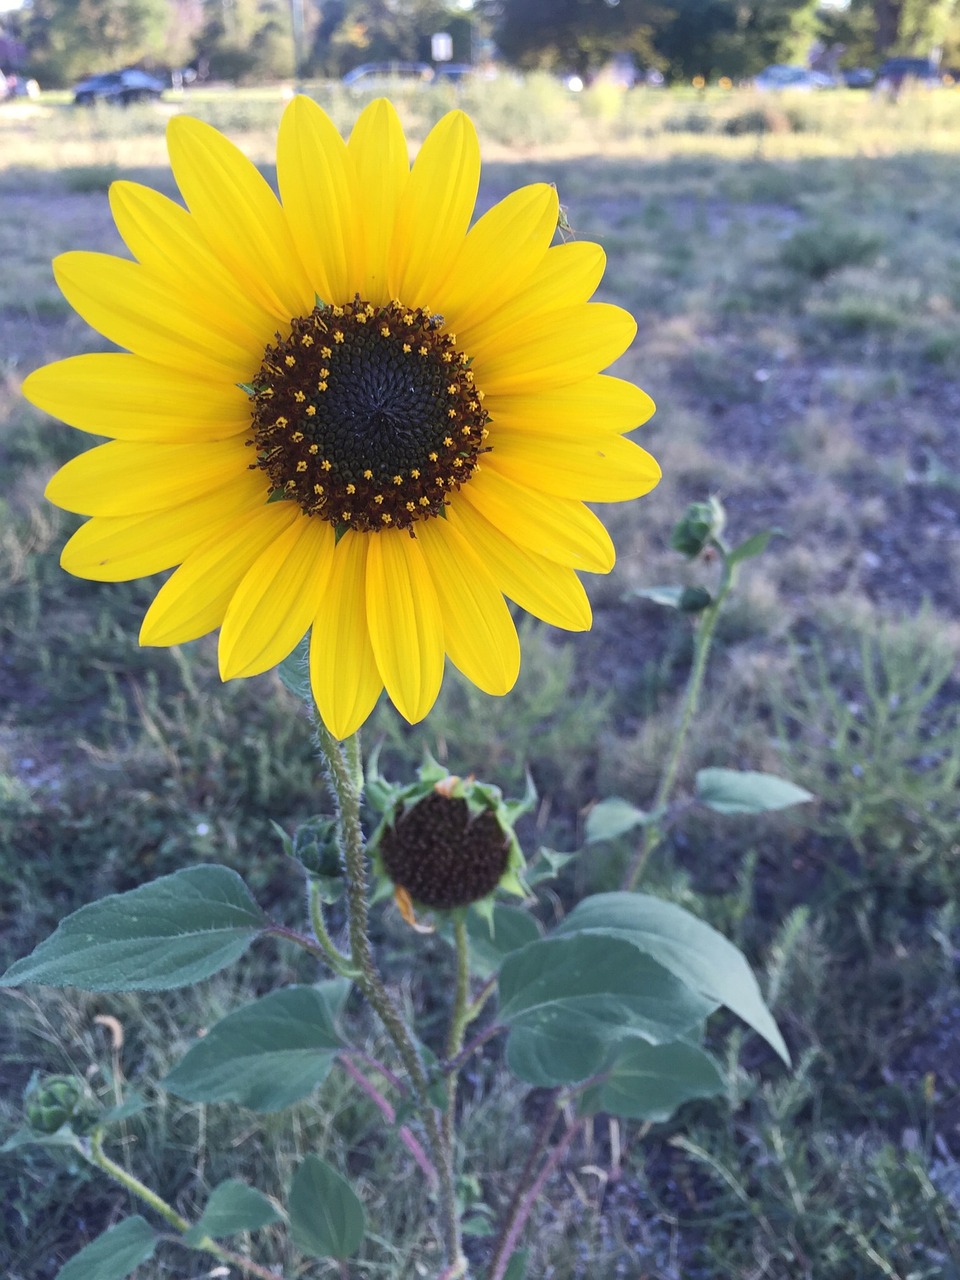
[443, 855]
[367, 416]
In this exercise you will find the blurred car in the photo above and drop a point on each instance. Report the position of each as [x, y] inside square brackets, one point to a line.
[119, 87]
[858, 77]
[893, 74]
[454, 72]
[781, 76]
[369, 75]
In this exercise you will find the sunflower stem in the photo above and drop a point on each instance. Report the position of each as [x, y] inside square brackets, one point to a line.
[340, 963]
[95, 1154]
[703, 640]
[458, 1023]
[345, 776]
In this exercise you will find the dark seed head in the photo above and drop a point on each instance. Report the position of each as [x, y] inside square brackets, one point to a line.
[443, 855]
[367, 416]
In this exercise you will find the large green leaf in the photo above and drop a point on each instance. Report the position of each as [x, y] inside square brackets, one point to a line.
[613, 817]
[744, 791]
[115, 1254]
[265, 1055]
[649, 1081]
[326, 1217]
[232, 1207]
[166, 934]
[694, 952]
[569, 1001]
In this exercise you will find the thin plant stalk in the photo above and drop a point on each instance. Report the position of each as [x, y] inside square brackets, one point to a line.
[345, 777]
[703, 641]
[96, 1155]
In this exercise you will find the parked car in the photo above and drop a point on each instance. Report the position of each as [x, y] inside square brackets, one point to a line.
[896, 72]
[119, 87]
[454, 72]
[859, 77]
[781, 76]
[369, 75]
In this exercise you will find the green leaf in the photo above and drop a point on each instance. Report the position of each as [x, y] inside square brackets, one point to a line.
[669, 597]
[612, 818]
[517, 1266]
[294, 672]
[266, 1055]
[754, 546]
[232, 1207]
[743, 791]
[546, 865]
[114, 1255]
[132, 1105]
[649, 1081]
[569, 1001]
[169, 933]
[64, 1137]
[694, 952]
[326, 1217]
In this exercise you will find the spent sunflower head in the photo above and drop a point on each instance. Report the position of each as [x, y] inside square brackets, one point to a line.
[445, 842]
[346, 411]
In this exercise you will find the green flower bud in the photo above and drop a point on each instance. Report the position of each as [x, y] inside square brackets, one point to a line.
[702, 523]
[60, 1100]
[694, 600]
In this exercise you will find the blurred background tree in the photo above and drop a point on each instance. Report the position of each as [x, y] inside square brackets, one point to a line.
[253, 40]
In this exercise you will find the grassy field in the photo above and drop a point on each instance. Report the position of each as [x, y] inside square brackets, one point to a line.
[794, 266]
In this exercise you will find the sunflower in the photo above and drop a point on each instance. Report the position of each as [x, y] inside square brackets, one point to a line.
[346, 411]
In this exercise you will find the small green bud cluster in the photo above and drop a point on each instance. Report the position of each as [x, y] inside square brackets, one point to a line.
[59, 1100]
[702, 524]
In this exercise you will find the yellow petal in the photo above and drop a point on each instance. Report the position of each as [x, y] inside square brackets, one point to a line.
[382, 163]
[343, 670]
[567, 275]
[318, 187]
[137, 309]
[435, 210]
[406, 626]
[272, 608]
[553, 349]
[546, 590]
[239, 217]
[558, 528]
[124, 479]
[500, 253]
[117, 548]
[163, 236]
[132, 399]
[479, 634]
[598, 403]
[194, 598]
[607, 469]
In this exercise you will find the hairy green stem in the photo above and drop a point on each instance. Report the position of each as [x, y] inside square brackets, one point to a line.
[96, 1155]
[703, 640]
[458, 1022]
[345, 775]
[332, 954]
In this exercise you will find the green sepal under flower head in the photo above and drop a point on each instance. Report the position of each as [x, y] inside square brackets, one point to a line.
[445, 842]
[53, 1101]
[702, 523]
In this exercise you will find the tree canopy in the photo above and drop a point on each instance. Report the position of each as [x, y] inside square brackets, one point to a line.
[271, 39]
